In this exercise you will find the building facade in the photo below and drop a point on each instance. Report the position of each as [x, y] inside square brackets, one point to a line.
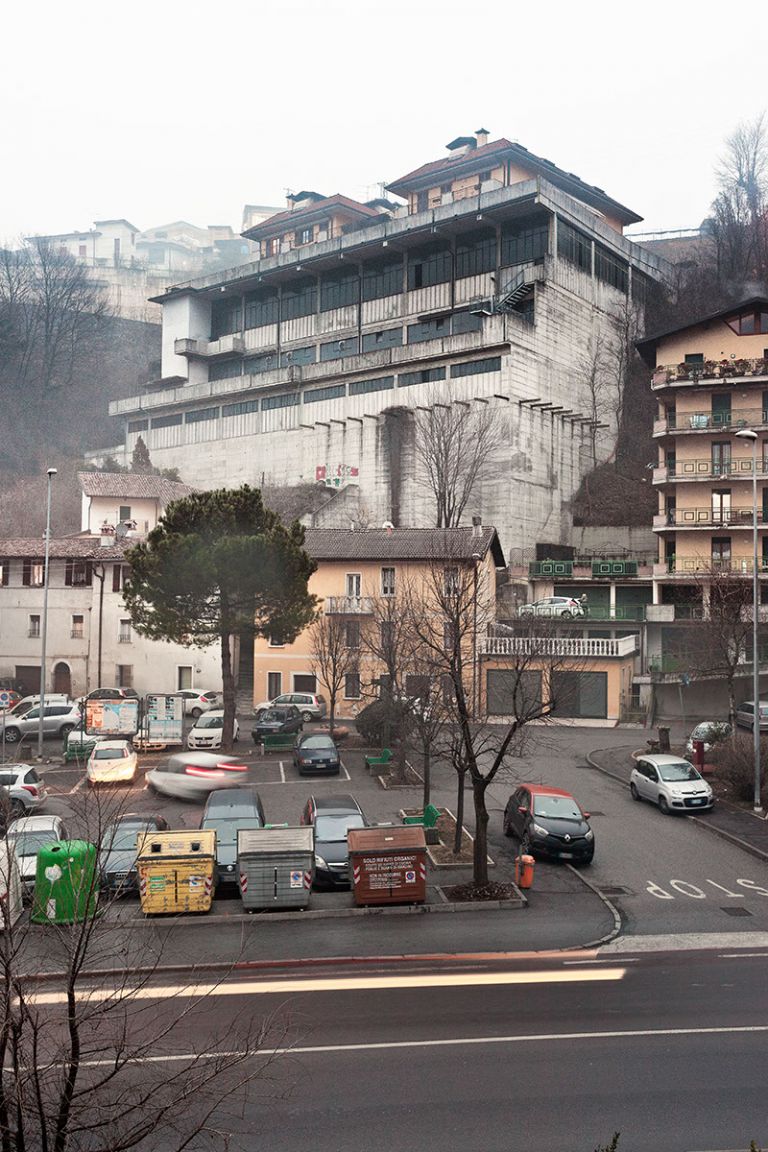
[486, 289]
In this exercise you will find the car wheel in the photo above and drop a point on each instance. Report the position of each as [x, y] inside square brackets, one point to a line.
[634, 791]
[306, 717]
[566, 615]
[12, 735]
[17, 808]
[196, 713]
[65, 730]
[663, 805]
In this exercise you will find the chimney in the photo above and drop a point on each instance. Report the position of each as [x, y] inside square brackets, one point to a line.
[477, 528]
[482, 137]
[461, 145]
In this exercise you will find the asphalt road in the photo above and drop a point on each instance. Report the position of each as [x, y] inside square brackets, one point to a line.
[666, 1049]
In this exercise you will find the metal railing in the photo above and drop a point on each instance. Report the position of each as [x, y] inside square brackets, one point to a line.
[737, 468]
[710, 370]
[709, 518]
[689, 565]
[739, 417]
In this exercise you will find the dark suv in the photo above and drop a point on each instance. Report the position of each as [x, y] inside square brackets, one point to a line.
[275, 721]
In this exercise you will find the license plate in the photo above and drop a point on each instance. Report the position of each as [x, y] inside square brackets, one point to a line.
[698, 801]
[566, 855]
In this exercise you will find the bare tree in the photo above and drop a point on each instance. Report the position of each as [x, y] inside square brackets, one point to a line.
[454, 445]
[740, 207]
[596, 384]
[335, 654]
[387, 644]
[719, 645]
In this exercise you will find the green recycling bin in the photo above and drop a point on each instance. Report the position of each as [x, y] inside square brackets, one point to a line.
[66, 885]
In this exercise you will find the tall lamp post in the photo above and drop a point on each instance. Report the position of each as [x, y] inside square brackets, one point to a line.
[41, 706]
[749, 434]
[476, 558]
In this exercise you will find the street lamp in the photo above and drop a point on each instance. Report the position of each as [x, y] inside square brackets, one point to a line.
[749, 434]
[41, 706]
[476, 557]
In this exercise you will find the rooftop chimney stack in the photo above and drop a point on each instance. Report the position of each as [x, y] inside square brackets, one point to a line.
[477, 527]
[482, 137]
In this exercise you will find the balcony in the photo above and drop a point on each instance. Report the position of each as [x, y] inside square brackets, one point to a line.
[692, 375]
[711, 421]
[188, 347]
[709, 518]
[691, 566]
[550, 568]
[684, 470]
[614, 567]
[549, 646]
[349, 606]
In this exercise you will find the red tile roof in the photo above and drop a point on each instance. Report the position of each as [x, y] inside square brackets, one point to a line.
[276, 224]
[402, 544]
[66, 548]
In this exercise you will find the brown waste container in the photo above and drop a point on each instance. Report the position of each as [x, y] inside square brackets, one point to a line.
[388, 865]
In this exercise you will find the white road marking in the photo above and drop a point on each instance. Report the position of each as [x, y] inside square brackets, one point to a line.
[338, 984]
[346, 774]
[282, 773]
[597, 960]
[77, 786]
[740, 955]
[451, 1042]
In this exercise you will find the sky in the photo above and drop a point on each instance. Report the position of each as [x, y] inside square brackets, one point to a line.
[164, 111]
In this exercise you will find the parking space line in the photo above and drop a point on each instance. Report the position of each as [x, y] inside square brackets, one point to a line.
[282, 773]
[77, 786]
[346, 774]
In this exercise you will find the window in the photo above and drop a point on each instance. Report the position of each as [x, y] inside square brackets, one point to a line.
[451, 581]
[226, 316]
[33, 573]
[124, 512]
[721, 552]
[124, 675]
[466, 322]
[445, 188]
[573, 246]
[305, 355]
[304, 682]
[332, 392]
[387, 636]
[524, 244]
[304, 235]
[5, 572]
[473, 367]
[425, 376]
[339, 289]
[286, 400]
[449, 635]
[272, 246]
[138, 425]
[428, 266]
[300, 299]
[80, 572]
[611, 269]
[382, 278]
[274, 684]
[184, 676]
[34, 626]
[429, 330]
[352, 686]
[201, 414]
[354, 580]
[694, 358]
[352, 634]
[254, 365]
[337, 349]
[82, 251]
[261, 308]
[171, 421]
[476, 253]
[380, 384]
[749, 323]
[120, 574]
[240, 408]
[276, 641]
[387, 338]
[387, 581]
[124, 635]
[220, 370]
[422, 201]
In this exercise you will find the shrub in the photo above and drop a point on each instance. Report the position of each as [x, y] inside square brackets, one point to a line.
[736, 766]
[385, 721]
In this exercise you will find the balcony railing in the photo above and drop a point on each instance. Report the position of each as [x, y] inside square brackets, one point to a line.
[710, 370]
[713, 421]
[544, 568]
[548, 646]
[738, 468]
[349, 606]
[691, 565]
[708, 518]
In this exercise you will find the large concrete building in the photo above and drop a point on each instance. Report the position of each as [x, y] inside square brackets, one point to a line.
[488, 289]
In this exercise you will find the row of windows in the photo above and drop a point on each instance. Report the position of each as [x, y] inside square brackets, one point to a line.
[77, 629]
[77, 573]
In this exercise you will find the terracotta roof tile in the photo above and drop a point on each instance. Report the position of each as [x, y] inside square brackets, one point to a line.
[132, 485]
[401, 544]
[66, 548]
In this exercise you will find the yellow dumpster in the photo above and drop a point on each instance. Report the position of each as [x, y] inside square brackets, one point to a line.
[177, 871]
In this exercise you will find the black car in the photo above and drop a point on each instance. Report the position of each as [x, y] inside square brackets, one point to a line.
[117, 858]
[276, 721]
[316, 754]
[332, 817]
[226, 812]
[549, 822]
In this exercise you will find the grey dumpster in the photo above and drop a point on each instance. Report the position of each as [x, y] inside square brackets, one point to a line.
[276, 866]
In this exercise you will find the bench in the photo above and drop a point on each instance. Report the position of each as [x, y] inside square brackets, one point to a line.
[278, 742]
[428, 818]
[379, 761]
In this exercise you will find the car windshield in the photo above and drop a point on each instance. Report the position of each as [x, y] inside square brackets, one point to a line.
[556, 807]
[677, 771]
[274, 714]
[333, 829]
[30, 843]
[226, 830]
[109, 753]
[209, 721]
[317, 742]
[123, 838]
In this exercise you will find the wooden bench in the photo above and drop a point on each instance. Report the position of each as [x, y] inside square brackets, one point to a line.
[379, 761]
[278, 742]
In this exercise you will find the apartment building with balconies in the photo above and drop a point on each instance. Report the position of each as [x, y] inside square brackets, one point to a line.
[485, 288]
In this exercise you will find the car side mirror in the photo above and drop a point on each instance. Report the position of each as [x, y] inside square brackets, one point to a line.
[523, 810]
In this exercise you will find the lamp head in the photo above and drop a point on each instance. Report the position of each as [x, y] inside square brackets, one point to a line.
[52, 471]
[747, 434]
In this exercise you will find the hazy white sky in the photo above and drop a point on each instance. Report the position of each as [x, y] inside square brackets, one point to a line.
[168, 110]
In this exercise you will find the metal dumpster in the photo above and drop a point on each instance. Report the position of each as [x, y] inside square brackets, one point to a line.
[276, 866]
[177, 871]
[66, 886]
[388, 865]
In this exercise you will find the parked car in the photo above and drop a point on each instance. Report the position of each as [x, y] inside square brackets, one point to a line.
[745, 715]
[311, 705]
[275, 721]
[112, 762]
[562, 606]
[332, 817]
[117, 858]
[710, 732]
[26, 702]
[550, 823]
[58, 720]
[192, 775]
[196, 701]
[671, 782]
[226, 812]
[110, 694]
[27, 836]
[208, 730]
[23, 790]
[316, 754]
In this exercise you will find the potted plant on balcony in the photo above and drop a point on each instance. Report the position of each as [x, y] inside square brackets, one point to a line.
[683, 371]
[740, 367]
[710, 368]
[760, 367]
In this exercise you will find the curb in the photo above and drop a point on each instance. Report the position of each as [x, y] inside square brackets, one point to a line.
[614, 932]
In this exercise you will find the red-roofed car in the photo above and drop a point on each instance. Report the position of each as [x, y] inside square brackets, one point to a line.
[550, 823]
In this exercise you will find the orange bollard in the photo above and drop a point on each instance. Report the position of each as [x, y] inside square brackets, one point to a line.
[524, 866]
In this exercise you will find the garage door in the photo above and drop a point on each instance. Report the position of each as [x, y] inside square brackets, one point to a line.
[511, 693]
[580, 694]
[28, 678]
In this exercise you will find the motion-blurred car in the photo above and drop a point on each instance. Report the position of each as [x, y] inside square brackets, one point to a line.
[110, 694]
[208, 730]
[27, 836]
[117, 858]
[671, 782]
[332, 817]
[276, 721]
[22, 790]
[311, 705]
[316, 753]
[562, 606]
[710, 732]
[227, 812]
[192, 775]
[550, 823]
[112, 762]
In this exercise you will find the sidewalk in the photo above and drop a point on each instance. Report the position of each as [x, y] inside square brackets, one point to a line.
[726, 820]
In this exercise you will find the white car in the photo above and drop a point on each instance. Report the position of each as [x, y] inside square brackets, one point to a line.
[111, 762]
[192, 775]
[560, 606]
[198, 700]
[209, 729]
[27, 836]
[671, 782]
